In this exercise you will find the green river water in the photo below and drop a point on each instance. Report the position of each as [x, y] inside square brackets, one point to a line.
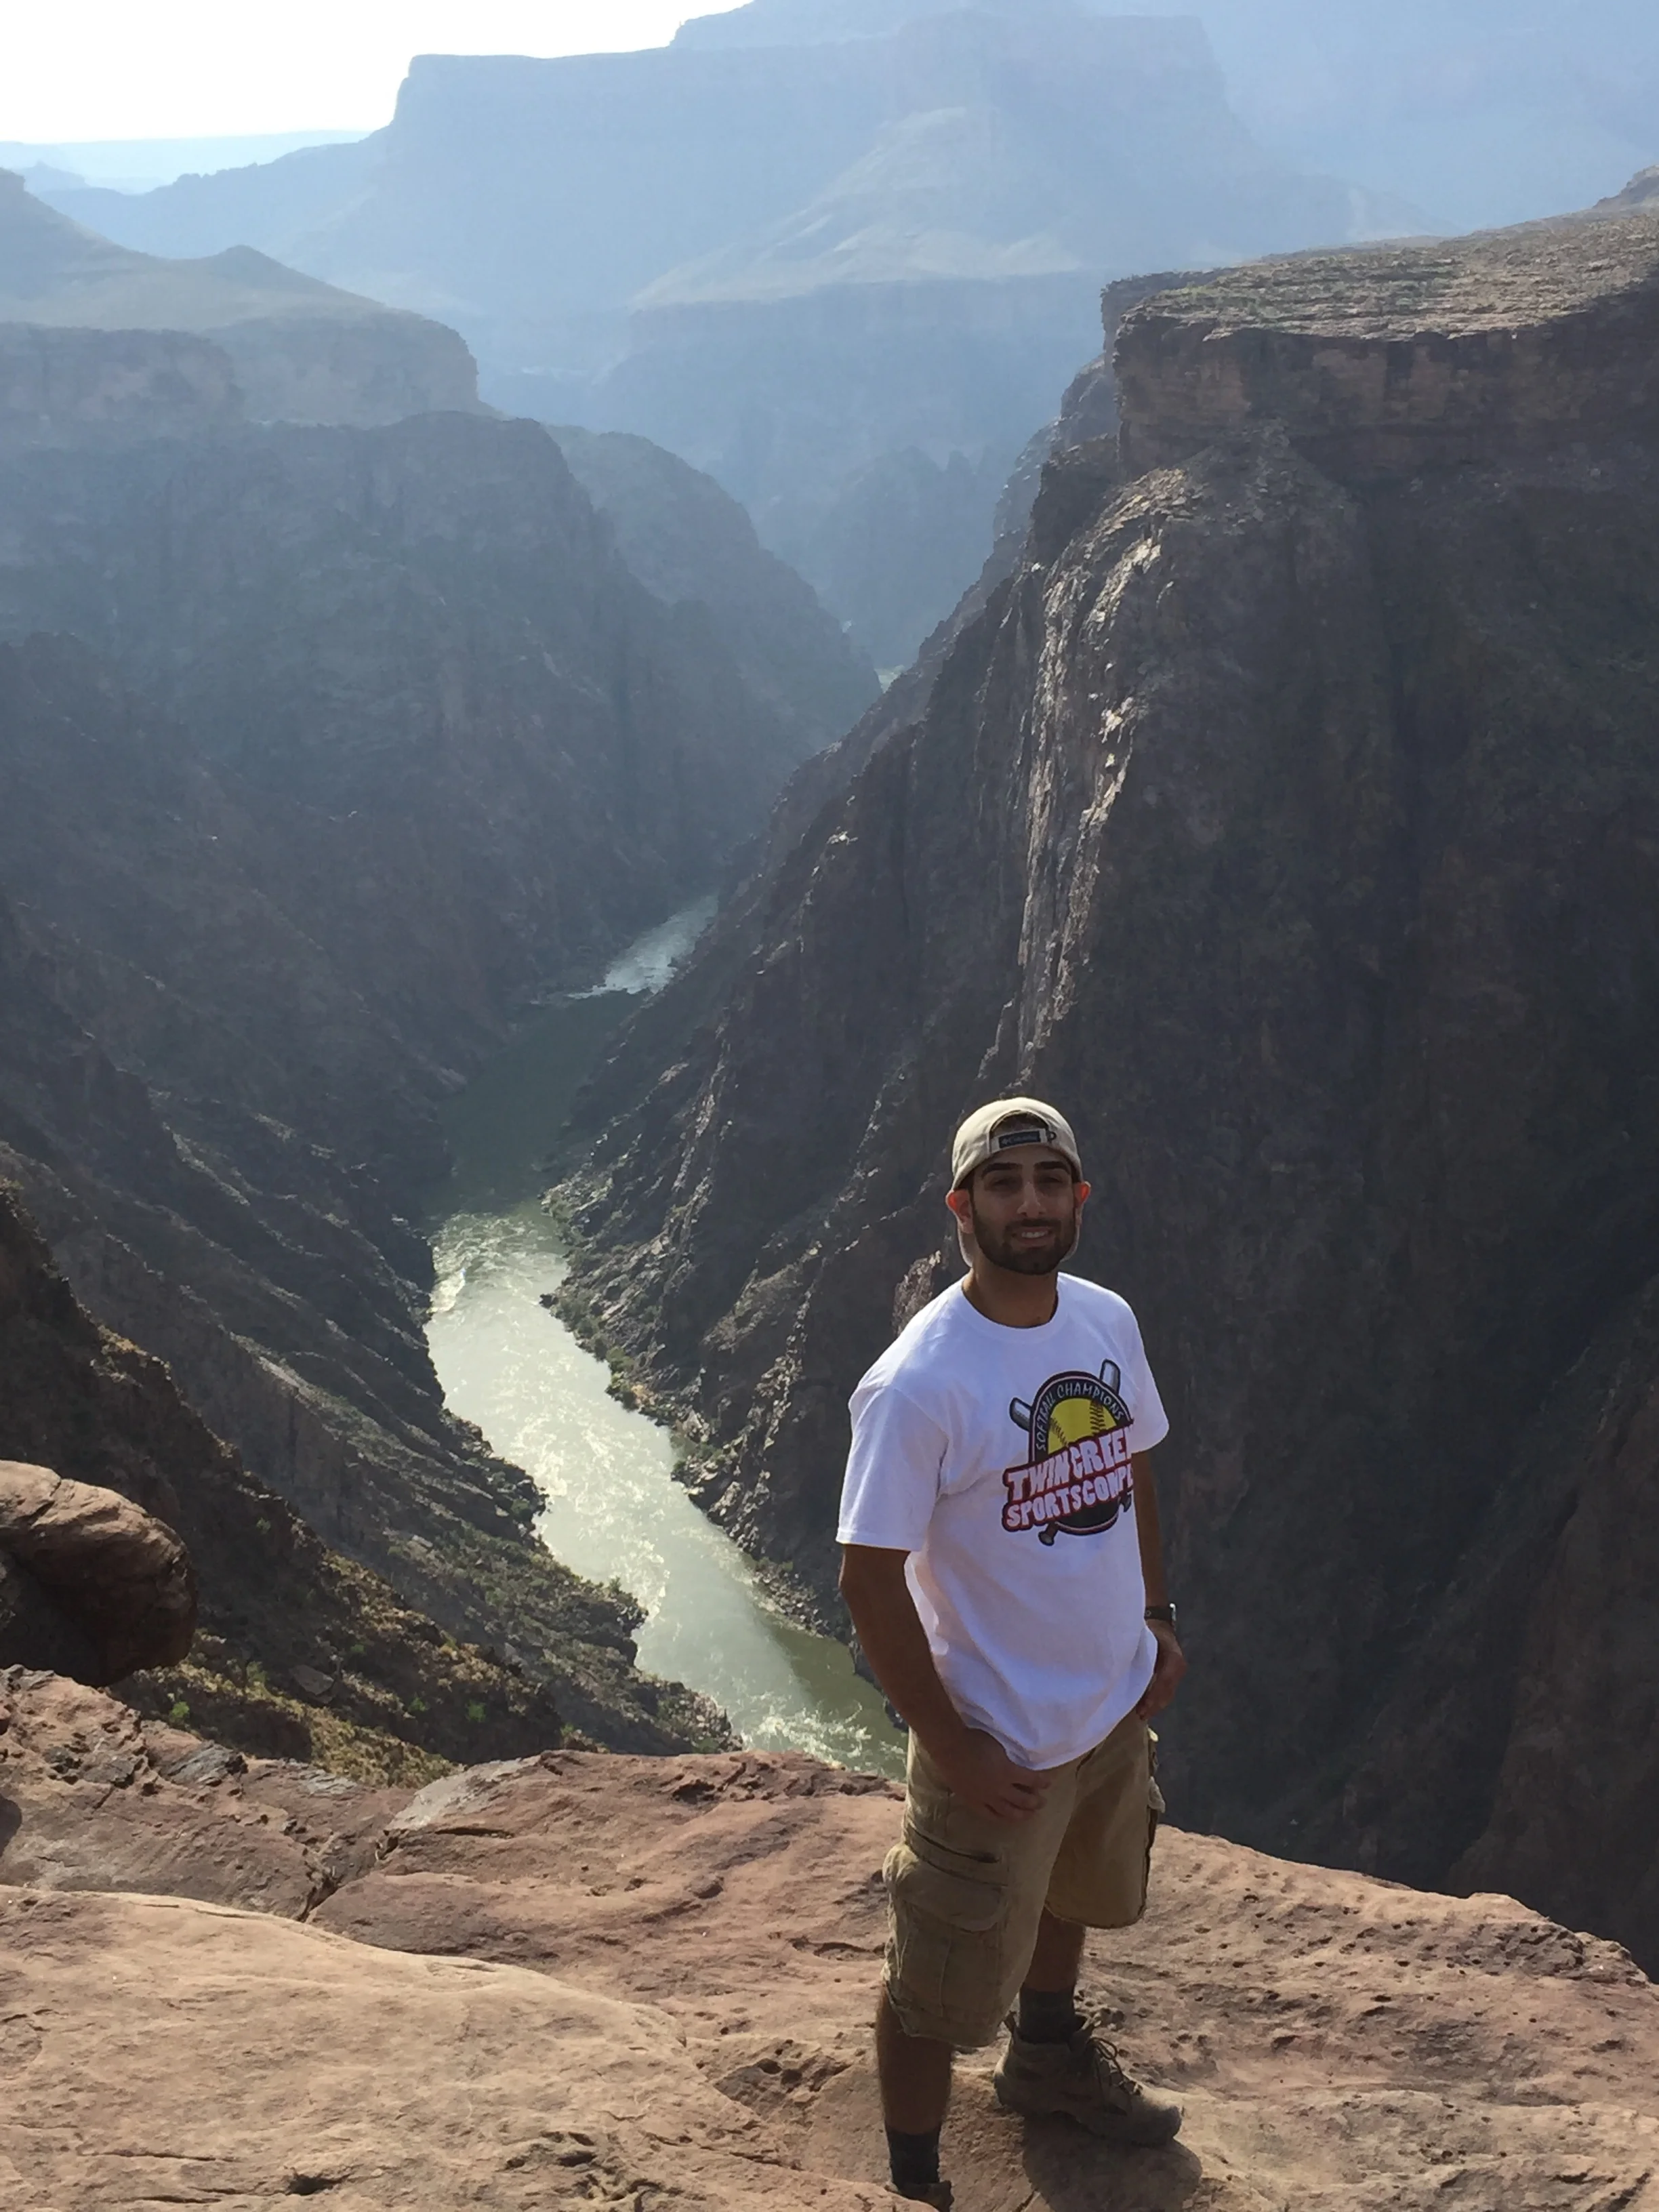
[612, 1508]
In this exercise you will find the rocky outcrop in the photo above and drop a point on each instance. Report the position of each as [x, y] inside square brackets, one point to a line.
[689, 542]
[122, 1579]
[301, 351]
[1483, 352]
[301, 1652]
[109, 387]
[584, 1977]
[1284, 815]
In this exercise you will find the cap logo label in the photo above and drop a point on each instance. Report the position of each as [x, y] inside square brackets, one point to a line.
[1022, 1137]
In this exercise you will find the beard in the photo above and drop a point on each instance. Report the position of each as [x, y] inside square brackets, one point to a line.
[1032, 1256]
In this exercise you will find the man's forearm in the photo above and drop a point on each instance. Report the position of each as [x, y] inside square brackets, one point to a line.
[896, 1644]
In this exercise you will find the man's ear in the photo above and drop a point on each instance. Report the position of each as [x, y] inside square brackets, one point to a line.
[961, 1205]
[1080, 1190]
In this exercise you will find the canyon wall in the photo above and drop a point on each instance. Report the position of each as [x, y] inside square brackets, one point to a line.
[846, 279]
[94, 388]
[302, 352]
[376, 1686]
[323, 753]
[1287, 815]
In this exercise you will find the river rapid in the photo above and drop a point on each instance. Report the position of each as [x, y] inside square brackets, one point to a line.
[613, 1509]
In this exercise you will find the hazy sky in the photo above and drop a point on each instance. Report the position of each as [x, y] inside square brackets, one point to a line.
[177, 69]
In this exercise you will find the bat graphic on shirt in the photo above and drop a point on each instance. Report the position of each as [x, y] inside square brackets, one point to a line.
[1020, 1414]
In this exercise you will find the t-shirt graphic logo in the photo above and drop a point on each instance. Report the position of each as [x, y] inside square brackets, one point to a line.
[1078, 1476]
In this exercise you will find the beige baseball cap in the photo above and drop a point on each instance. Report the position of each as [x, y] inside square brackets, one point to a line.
[1005, 1123]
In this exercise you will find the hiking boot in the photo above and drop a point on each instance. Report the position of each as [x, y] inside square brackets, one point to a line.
[936, 2193]
[1084, 2079]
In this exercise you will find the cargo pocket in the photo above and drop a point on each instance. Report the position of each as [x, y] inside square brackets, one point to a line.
[945, 1962]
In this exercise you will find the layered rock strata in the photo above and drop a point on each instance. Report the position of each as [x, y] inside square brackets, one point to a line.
[375, 737]
[301, 351]
[301, 1652]
[110, 387]
[586, 1979]
[1285, 816]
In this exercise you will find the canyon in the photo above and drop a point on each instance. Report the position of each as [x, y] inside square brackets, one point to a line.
[330, 751]
[1283, 809]
[847, 279]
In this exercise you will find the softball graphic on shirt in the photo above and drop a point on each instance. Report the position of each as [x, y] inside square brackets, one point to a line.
[1076, 1477]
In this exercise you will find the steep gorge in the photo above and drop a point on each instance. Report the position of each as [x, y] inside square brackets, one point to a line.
[324, 754]
[1291, 814]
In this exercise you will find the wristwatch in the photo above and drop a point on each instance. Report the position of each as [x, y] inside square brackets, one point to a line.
[1165, 1612]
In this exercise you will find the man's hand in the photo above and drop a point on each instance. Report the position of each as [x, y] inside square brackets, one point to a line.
[980, 1773]
[1166, 1675]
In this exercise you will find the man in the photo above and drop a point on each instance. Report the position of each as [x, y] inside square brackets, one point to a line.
[1003, 1567]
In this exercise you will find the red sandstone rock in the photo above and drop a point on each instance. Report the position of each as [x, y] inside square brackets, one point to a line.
[124, 1577]
[702, 1936]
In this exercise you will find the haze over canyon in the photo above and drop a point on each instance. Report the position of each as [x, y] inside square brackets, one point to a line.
[1053, 530]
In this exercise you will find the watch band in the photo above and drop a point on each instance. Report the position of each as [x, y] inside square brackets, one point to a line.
[1164, 1613]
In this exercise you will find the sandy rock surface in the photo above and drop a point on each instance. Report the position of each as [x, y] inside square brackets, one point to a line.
[607, 1980]
[93, 1798]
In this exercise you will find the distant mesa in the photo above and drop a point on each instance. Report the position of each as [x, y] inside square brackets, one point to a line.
[196, 343]
[823, 22]
[845, 278]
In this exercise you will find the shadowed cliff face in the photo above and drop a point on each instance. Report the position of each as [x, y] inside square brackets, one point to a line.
[363, 739]
[378, 1685]
[1291, 819]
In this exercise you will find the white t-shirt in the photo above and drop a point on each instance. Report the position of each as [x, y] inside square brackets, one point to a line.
[999, 1458]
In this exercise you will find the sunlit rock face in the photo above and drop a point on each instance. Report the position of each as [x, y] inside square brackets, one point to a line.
[1287, 814]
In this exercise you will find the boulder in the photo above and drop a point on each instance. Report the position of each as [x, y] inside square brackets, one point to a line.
[121, 1580]
[36, 1632]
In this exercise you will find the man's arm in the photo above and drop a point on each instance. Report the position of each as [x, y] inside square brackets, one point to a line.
[895, 1643]
[1171, 1664]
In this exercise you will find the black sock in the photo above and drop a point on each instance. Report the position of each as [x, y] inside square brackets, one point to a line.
[1048, 2015]
[913, 2160]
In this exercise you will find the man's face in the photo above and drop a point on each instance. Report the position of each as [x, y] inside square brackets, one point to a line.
[1022, 1209]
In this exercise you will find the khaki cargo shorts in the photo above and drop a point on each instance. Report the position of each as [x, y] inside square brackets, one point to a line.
[967, 1891]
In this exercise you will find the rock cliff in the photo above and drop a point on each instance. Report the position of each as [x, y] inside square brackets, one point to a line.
[689, 542]
[363, 739]
[1286, 813]
[583, 1978]
[845, 279]
[299, 1653]
[1484, 111]
[302, 352]
[110, 387]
